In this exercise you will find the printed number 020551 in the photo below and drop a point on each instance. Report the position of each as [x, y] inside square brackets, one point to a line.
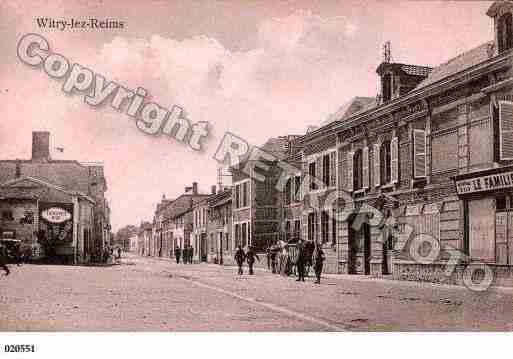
[24, 348]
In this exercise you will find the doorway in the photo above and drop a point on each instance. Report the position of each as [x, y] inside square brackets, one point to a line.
[203, 247]
[359, 251]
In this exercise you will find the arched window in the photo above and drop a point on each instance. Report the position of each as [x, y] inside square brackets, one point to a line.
[385, 163]
[505, 32]
[358, 170]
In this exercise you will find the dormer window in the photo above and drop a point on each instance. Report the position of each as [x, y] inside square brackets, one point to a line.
[386, 87]
[505, 32]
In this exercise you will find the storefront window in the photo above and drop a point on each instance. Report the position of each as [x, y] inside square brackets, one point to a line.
[481, 219]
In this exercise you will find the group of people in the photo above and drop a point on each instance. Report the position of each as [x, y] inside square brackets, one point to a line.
[249, 257]
[280, 260]
[186, 254]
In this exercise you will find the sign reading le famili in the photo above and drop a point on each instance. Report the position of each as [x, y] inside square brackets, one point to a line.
[485, 183]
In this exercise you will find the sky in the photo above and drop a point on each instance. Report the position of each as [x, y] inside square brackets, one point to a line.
[258, 69]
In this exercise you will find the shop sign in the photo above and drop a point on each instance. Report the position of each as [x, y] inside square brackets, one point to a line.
[485, 183]
[56, 215]
[56, 220]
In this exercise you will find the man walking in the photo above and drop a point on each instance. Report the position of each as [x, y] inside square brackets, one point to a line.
[240, 257]
[300, 261]
[191, 254]
[318, 259]
[178, 253]
[3, 259]
[250, 257]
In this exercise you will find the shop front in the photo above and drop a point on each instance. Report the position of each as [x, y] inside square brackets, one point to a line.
[488, 219]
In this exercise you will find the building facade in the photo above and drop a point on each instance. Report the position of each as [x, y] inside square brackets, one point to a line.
[59, 202]
[427, 162]
[219, 229]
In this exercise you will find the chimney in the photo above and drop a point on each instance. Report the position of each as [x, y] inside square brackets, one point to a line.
[213, 189]
[40, 146]
[194, 187]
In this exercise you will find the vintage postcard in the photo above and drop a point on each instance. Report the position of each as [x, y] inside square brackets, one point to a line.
[255, 166]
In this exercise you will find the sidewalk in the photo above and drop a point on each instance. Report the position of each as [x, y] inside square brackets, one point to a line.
[365, 278]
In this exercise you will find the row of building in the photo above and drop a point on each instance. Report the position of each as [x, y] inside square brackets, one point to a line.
[433, 151]
[56, 209]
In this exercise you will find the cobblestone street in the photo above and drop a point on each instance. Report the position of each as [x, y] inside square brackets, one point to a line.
[152, 294]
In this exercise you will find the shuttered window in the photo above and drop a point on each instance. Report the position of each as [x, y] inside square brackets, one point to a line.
[318, 171]
[333, 172]
[365, 167]
[350, 177]
[326, 169]
[394, 160]
[506, 130]
[311, 173]
[377, 172]
[419, 153]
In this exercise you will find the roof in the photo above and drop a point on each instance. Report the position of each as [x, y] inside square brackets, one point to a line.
[66, 173]
[277, 146]
[354, 105]
[8, 189]
[220, 198]
[459, 63]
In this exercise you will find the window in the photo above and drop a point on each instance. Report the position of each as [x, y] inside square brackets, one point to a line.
[506, 130]
[242, 195]
[297, 188]
[288, 234]
[504, 32]
[334, 227]
[237, 196]
[385, 163]
[288, 191]
[7, 216]
[386, 87]
[312, 219]
[297, 229]
[237, 235]
[325, 226]
[244, 234]
[419, 153]
[311, 173]
[357, 170]
[326, 167]
[245, 194]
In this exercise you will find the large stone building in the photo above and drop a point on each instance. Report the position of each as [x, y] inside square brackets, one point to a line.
[429, 161]
[257, 208]
[61, 202]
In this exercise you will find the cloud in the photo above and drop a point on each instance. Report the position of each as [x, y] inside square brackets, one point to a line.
[277, 87]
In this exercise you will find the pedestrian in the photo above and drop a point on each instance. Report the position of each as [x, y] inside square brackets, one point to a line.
[191, 254]
[240, 257]
[268, 255]
[178, 253]
[300, 264]
[3, 259]
[119, 252]
[274, 256]
[188, 251]
[318, 260]
[250, 257]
